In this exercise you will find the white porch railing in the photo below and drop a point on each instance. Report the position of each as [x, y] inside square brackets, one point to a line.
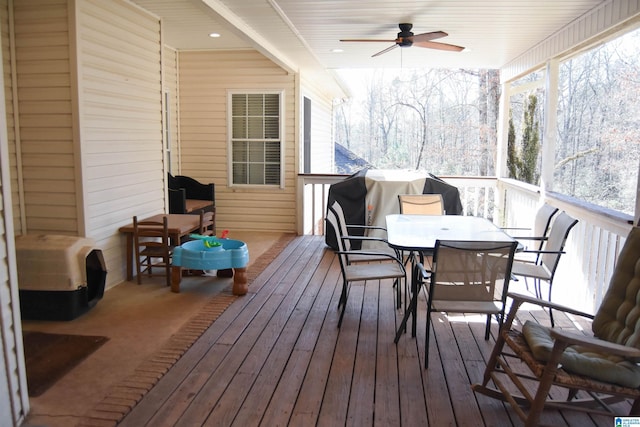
[591, 251]
[478, 196]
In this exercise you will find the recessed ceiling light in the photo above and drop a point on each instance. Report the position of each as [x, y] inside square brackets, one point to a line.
[214, 35]
[337, 50]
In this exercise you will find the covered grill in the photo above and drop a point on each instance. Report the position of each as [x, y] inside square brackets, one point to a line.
[370, 194]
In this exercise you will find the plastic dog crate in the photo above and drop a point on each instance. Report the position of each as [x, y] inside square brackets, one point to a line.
[59, 277]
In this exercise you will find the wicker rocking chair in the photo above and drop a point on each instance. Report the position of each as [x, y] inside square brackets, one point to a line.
[604, 367]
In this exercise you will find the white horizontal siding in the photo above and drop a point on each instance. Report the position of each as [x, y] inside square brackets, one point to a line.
[204, 78]
[45, 146]
[608, 17]
[322, 156]
[120, 104]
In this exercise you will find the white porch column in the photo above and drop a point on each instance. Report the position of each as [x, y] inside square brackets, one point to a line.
[503, 131]
[550, 129]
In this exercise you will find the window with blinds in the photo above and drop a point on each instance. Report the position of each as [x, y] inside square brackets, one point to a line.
[256, 143]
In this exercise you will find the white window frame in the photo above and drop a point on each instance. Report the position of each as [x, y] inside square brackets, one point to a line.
[230, 139]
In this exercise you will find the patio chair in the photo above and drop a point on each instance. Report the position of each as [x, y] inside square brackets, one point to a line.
[152, 248]
[467, 277]
[354, 272]
[378, 252]
[381, 252]
[545, 267]
[603, 367]
[207, 223]
[421, 204]
[540, 231]
[354, 255]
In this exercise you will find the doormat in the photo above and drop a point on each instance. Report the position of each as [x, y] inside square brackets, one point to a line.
[48, 357]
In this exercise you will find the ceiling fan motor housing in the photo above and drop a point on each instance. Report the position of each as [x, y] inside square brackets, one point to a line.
[405, 36]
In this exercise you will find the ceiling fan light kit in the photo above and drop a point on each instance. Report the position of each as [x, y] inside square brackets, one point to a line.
[406, 38]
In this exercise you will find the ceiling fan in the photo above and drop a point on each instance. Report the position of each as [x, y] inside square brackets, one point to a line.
[407, 39]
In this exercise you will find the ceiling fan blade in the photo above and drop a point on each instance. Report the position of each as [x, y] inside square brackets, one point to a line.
[384, 51]
[439, 46]
[367, 40]
[425, 37]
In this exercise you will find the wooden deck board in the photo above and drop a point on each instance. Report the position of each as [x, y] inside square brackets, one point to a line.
[387, 390]
[361, 400]
[286, 325]
[251, 344]
[276, 357]
[309, 401]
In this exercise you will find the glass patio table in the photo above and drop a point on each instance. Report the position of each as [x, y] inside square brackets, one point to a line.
[418, 233]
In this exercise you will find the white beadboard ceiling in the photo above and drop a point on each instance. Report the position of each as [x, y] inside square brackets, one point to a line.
[301, 34]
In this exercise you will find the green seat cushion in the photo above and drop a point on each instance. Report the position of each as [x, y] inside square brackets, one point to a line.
[582, 361]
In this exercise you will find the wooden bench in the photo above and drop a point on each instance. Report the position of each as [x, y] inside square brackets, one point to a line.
[188, 196]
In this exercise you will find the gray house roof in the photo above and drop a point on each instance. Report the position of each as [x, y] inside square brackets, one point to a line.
[348, 162]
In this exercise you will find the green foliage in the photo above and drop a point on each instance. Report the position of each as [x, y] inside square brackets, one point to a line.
[523, 160]
[530, 143]
[513, 162]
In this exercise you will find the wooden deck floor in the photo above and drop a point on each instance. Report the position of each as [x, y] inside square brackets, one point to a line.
[275, 357]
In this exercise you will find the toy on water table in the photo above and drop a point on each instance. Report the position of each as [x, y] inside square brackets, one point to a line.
[210, 241]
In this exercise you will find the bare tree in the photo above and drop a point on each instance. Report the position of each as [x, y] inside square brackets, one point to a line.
[429, 120]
